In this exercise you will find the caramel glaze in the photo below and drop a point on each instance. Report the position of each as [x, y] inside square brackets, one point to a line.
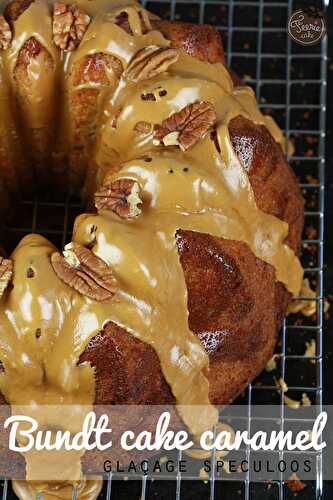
[86, 489]
[204, 189]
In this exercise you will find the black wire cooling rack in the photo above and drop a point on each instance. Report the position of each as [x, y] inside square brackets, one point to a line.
[290, 83]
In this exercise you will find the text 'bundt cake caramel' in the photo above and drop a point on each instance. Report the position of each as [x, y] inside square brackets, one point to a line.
[174, 289]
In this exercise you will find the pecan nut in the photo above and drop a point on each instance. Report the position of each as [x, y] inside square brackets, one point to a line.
[191, 123]
[69, 25]
[6, 273]
[84, 271]
[121, 197]
[5, 34]
[150, 62]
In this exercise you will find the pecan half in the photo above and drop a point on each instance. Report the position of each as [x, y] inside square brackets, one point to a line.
[87, 273]
[121, 197]
[191, 123]
[69, 25]
[150, 62]
[5, 34]
[6, 273]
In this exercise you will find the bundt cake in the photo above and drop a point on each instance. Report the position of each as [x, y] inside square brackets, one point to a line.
[174, 287]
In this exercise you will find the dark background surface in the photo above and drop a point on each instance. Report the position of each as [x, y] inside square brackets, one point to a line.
[329, 221]
[328, 333]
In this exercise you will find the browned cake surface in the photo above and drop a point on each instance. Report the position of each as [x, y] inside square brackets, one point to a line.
[15, 8]
[200, 41]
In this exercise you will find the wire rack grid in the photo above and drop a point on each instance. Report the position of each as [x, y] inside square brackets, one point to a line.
[290, 84]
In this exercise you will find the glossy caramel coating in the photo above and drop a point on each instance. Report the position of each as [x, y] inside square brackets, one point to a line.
[237, 323]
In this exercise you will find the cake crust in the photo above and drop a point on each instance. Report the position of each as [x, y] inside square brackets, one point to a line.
[201, 41]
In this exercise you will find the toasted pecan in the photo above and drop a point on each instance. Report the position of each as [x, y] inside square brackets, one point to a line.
[6, 273]
[87, 273]
[69, 25]
[187, 126]
[121, 197]
[5, 34]
[150, 62]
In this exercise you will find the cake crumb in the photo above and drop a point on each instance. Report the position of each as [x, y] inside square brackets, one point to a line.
[282, 384]
[203, 474]
[305, 307]
[226, 467]
[306, 400]
[310, 351]
[295, 484]
[291, 403]
[271, 365]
